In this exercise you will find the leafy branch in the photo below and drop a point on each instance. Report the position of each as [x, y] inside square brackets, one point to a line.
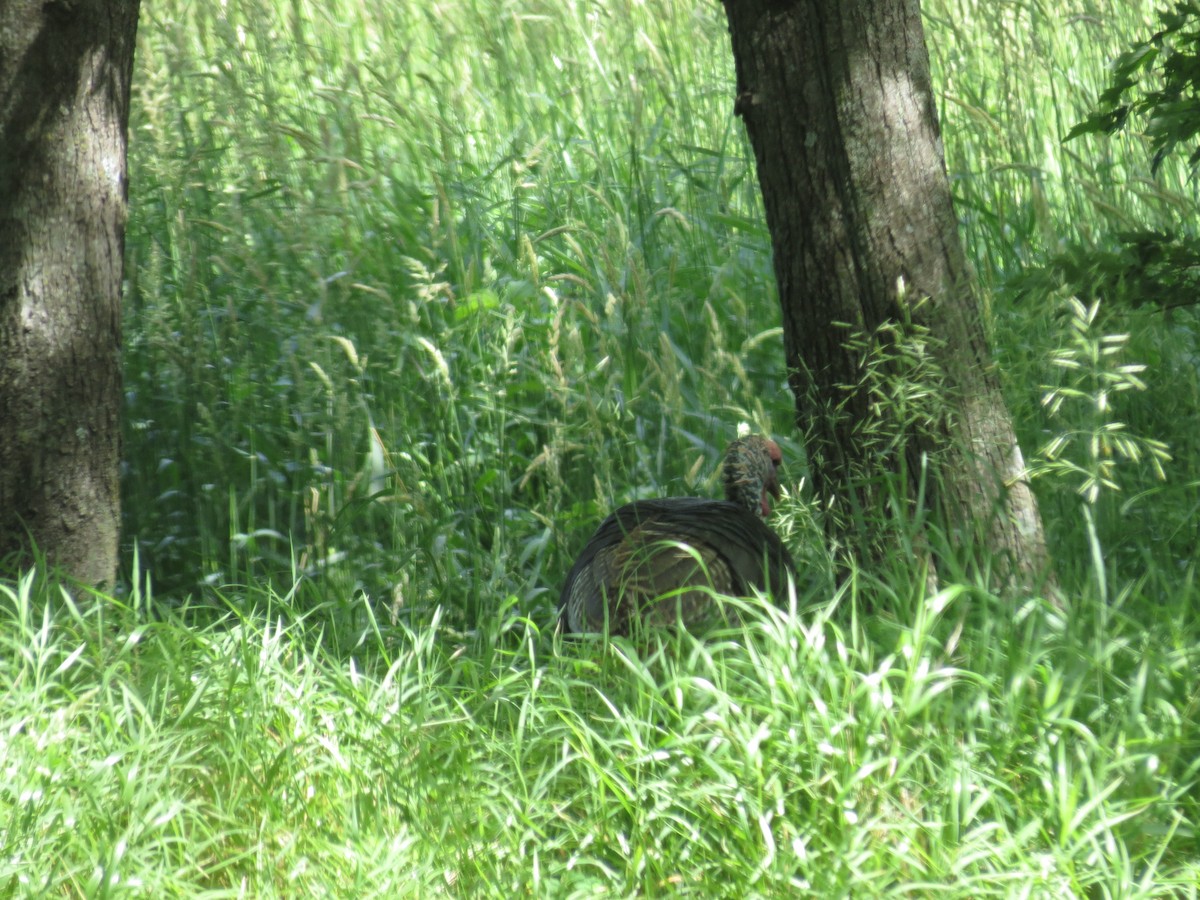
[1172, 109]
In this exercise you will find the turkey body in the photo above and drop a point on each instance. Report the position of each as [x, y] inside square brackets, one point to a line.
[660, 561]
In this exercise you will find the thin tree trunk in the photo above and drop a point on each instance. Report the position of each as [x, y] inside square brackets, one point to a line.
[65, 71]
[873, 281]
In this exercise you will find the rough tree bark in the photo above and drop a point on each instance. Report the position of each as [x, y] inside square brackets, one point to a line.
[65, 70]
[837, 101]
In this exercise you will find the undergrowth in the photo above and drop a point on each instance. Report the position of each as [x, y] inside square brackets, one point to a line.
[968, 749]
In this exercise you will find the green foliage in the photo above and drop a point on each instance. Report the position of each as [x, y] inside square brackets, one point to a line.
[1170, 105]
[394, 313]
[1094, 377]
[967, 751]
[414, 298]
[1044, 220]
[1153, 82]
[1142, 268]
[904, 385]
[900, 388]
[1092, 215]
[422, 314]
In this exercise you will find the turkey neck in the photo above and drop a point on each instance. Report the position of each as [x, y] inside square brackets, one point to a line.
[749, 473]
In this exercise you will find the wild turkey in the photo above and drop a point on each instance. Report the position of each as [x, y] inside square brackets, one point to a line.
[681, 547]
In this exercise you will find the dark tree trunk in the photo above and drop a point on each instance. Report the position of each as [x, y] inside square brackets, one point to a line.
[65, 69]
[838, 104]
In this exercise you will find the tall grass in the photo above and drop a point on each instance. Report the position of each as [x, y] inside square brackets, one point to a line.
[415, 296]
[201, 756]
[1015, 78]
[434, 287]
[524, 268]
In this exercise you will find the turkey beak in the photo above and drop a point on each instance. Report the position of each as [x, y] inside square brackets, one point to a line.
[771, 486]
